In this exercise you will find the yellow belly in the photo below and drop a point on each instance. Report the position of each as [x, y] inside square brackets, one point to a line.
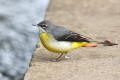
[58, 46]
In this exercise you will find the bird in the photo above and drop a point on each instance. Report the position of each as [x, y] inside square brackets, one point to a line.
[60, 40]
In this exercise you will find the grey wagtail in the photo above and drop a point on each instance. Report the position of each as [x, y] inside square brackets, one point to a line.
[60, 40]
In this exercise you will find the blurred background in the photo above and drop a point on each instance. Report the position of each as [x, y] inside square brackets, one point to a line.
[18, 38]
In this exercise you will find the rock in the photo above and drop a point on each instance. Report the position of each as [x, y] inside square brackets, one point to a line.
[18, 38]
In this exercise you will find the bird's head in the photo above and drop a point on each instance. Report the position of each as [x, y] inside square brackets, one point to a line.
[45, 26]
[42, 26]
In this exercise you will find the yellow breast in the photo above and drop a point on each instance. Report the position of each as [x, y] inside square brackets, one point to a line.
[58, 46]
[53, 45]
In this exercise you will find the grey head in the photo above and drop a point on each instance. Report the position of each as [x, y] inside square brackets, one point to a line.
[45, 26]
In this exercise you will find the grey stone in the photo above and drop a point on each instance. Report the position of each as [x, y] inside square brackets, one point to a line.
[18, 37]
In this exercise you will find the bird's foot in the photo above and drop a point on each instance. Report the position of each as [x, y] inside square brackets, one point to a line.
[67, 57]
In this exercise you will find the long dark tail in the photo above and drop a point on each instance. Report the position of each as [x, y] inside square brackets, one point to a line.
[106, 43]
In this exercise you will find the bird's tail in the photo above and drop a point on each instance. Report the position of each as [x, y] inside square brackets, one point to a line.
[95, 43]
[107, 43]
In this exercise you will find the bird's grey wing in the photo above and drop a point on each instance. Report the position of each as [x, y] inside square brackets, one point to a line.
[62, 34]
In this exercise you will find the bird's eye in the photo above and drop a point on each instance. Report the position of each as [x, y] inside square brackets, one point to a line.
[44, 26]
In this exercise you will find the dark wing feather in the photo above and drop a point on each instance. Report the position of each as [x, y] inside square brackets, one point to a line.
[72, 36]
[62, 34]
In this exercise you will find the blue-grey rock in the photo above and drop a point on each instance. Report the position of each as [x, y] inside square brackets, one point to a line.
[18, 38]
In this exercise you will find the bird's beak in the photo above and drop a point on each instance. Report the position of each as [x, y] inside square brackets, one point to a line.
[34, 25]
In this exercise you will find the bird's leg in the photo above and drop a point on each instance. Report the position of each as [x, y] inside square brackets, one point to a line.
[58, 58]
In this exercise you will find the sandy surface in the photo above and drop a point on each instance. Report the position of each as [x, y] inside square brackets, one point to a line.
[98, 19]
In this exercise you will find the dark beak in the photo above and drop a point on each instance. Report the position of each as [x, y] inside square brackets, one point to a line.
[34, 25]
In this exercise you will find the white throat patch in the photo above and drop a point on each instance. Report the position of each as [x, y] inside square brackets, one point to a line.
[41, 30]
